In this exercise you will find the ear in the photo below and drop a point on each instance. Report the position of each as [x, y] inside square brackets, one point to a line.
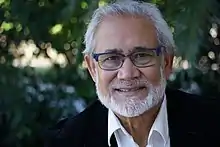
[91, 66]
[168, 65]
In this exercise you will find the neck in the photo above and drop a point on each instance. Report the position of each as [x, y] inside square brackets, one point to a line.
[139, 127]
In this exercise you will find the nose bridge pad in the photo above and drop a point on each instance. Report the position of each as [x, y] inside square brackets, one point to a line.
[128, 70]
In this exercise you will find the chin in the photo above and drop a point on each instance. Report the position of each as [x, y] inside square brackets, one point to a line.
[132, 106]
[128, 107]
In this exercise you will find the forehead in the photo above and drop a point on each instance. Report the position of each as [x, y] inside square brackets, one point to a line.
[125, 33]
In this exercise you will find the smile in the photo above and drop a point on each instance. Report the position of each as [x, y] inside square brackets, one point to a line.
[129, 89]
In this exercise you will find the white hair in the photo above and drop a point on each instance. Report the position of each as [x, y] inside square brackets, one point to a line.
[133, 8]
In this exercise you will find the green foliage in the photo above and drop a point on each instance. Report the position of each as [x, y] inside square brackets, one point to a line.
[34, 98]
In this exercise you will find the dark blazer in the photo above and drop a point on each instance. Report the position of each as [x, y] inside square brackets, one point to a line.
[193, 122]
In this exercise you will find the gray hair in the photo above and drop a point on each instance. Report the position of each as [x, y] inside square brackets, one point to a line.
[134, 8]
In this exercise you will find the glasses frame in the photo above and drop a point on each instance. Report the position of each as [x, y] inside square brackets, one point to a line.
[158, 51]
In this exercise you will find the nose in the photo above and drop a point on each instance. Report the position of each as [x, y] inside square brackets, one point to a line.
[128, 71]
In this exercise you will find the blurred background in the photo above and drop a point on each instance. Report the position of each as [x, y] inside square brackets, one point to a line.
[42, 74]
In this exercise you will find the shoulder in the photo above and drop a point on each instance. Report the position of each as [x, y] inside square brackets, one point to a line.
[192, 109]
[181, 98]
[73, 130]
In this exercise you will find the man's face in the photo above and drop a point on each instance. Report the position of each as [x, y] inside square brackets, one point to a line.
[129, 91]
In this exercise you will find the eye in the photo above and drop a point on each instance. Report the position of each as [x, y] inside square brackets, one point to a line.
[110, 58]
[143, 58]
[142, 55]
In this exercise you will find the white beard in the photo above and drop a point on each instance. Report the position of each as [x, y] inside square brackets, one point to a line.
[131, 107]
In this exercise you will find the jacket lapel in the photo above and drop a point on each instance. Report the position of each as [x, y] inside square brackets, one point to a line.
[182, 130]
[175, 125]
[113, 141]
[100, 127]
[97, 134]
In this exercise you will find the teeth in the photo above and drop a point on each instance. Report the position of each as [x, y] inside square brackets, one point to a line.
[127, 90]
[124, 90]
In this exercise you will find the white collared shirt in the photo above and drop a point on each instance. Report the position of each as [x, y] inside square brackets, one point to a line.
[158, 135]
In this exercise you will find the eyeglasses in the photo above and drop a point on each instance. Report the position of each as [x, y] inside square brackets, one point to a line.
[111, 61]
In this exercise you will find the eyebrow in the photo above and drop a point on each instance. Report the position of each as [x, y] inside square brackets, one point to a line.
[115, 50]
[141, 48]
[134, 49]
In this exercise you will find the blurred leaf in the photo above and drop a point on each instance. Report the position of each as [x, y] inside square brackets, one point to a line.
[33, 98]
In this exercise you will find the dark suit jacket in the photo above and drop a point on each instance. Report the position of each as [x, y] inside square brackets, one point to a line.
[193, 122]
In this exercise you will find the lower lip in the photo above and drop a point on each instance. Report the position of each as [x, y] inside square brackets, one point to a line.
[131, 91]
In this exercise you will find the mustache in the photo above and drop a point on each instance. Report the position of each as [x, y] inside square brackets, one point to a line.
[133, 83]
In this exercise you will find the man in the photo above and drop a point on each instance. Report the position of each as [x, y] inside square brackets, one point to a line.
[129, 53]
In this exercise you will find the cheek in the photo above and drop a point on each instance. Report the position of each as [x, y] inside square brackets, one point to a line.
[152, 74]
[105, 79]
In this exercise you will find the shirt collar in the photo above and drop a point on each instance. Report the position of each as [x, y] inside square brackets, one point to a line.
[160, 124]
[113, 124]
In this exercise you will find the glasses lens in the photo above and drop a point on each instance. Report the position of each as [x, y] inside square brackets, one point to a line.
[110, 61]
[142, 59]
